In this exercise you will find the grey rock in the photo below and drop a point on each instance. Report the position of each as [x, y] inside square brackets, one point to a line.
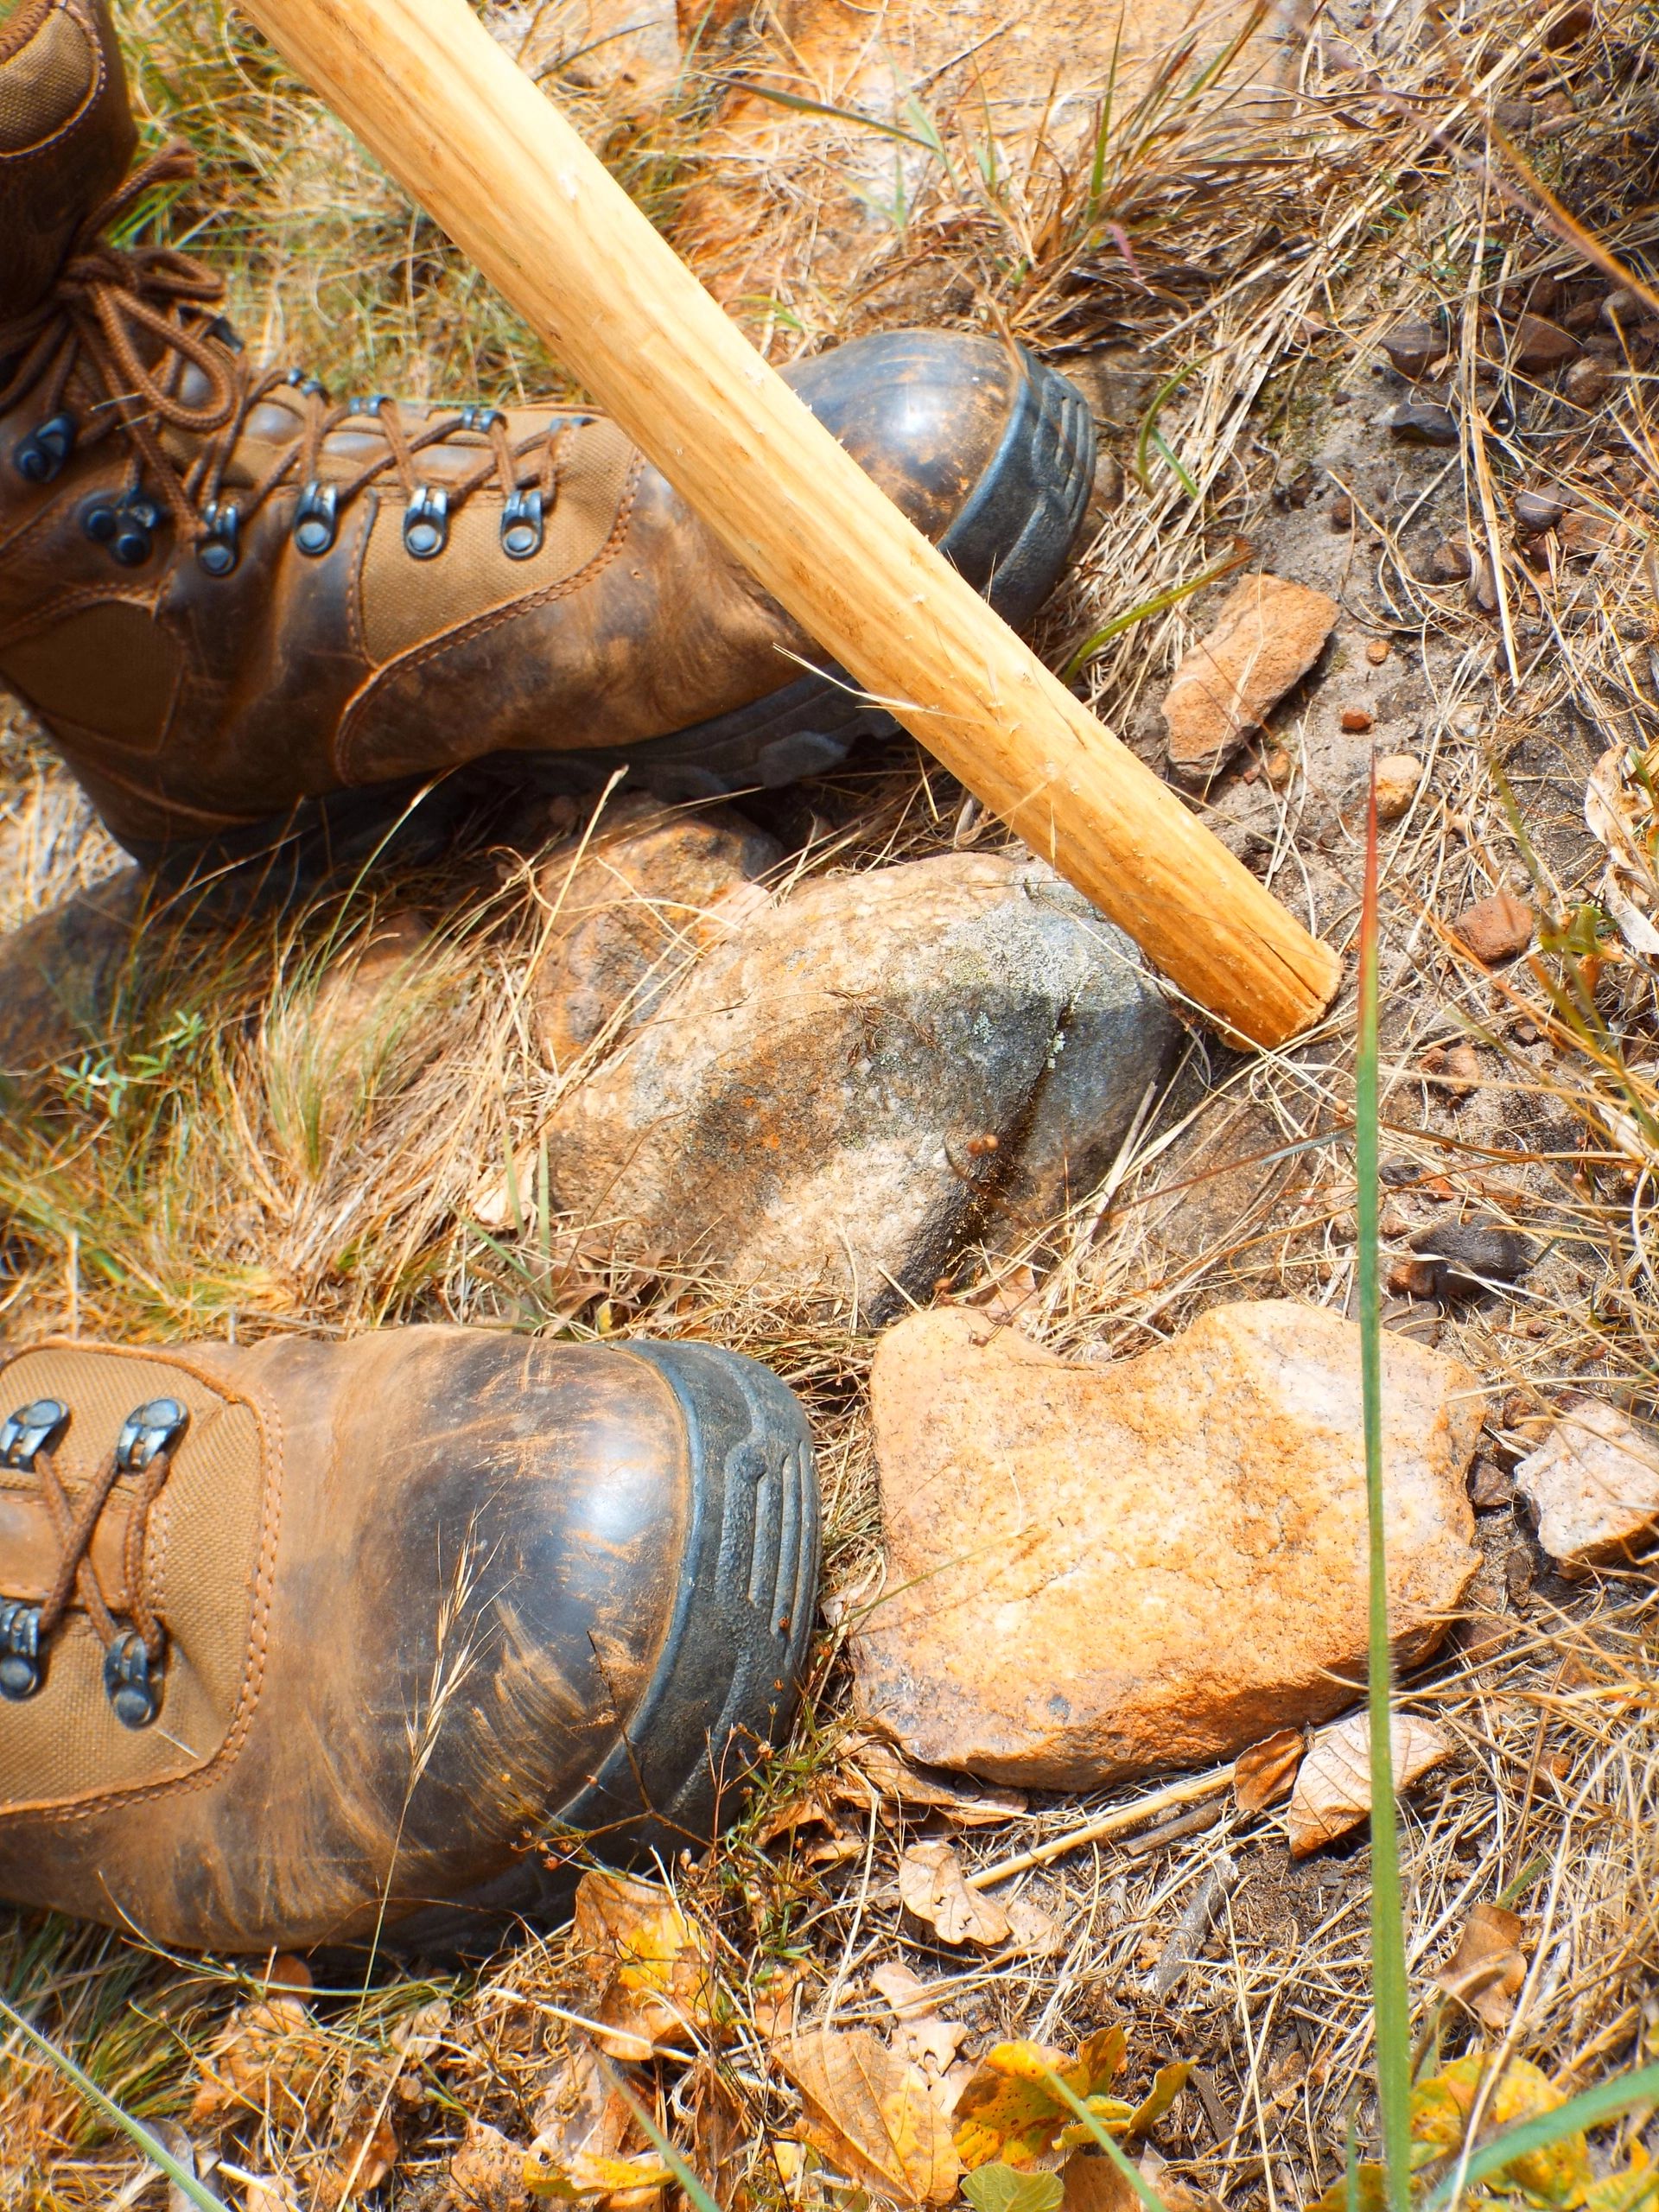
[1469, 1256]
[1419, 422]
[856, 1082]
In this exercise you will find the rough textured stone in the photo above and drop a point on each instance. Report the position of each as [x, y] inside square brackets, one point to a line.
[1497, 928]
[1466, 1258]
[1098, 1572]
[1266, 634]
[62, 974]
[865, 1077]
[1539, 345]
[1594, 1484]
[1398, 775]
[655, 886]
[1420, 422]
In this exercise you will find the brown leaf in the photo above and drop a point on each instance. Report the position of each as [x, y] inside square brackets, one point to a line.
[871, 2112]
[1333, 1790]
[1266, 1769]
[1489, 1967]
[649, 1963]
[1032, 1932]
[368, 2153]
[486, 2173]
[931, 1885]
[589, 2141]
[922, 2033]
[1093, 2183]
[873, 1766]
[268, 2056]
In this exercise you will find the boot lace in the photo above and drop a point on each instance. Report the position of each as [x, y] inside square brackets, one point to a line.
[130, 324]
[134, 1650]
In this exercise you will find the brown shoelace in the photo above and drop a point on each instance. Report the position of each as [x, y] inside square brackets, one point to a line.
[129, 326]
[73, 1522]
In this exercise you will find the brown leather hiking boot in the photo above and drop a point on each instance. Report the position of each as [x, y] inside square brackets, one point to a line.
[256, 618]
[294, 1634]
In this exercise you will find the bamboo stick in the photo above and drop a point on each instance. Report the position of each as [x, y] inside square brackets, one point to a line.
[478, 146]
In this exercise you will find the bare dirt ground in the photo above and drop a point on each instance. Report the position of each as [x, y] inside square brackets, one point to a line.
[214, 1159]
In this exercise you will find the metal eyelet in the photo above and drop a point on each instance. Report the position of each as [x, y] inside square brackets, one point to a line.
[304, 383]
[133, 1691]
[426, 526]
[225, 333]
[482, 419]
[150, 1428]
[220, 546]
[125, 527]
[31, 1430]
[523, 527]
[369, 404]
[21, 1666]
[40, 456]
[316, 519]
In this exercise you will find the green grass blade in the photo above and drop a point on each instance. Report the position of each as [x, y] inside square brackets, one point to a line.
[1156, 605]
[1579, 2113]
[799, 101]
[1131, 2173]
[1388, 1911]
[157, 2152]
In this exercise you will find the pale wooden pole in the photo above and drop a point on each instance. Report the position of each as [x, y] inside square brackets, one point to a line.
[474, 141]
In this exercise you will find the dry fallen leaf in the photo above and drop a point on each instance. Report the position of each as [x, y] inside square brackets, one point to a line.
[274, 2193]
[932, 1885]
[1489, 1967]
[873, 2115]
[871, 1765]
[1009, 2111]
[589, 2141]
[649, 1963]
[366, 2154]
[268, 2056]
[1333, 1790]
[1093, 2183]
[487, 2172]
[1266, 1769]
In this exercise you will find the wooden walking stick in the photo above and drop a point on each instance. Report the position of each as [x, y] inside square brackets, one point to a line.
[424, 84]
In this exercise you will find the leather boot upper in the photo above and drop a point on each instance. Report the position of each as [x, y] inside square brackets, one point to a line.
[394, 1603]
[66, 136]
[227, 593]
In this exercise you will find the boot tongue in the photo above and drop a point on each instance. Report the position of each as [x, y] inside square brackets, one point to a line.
[67, 137]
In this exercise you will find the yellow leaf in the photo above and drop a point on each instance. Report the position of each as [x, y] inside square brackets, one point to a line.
[873, 2115]
[1008, 2111]
[650, 1963]
[1559, 2175]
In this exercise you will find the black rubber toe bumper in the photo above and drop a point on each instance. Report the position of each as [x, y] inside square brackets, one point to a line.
[728, 1683]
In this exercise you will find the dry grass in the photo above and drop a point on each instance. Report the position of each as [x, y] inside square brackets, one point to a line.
[235, 1149]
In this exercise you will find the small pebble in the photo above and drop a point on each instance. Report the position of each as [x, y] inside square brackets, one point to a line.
[1417, 423]
[1538, 511]
[1340, 513]
[1277, 768]
[1355, 718]
[1377, 652]
[1469, 1255]
[1483, 587]
[1539, 344]
[1619, 308]
[1586, 383]
[1398, 775]
[1490, 1487]
[1498, 928]
[1412, 346]
[1452, 1068]
[1450, 562]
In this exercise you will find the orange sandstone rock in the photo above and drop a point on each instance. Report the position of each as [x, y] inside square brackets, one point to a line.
[1096, 1572]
